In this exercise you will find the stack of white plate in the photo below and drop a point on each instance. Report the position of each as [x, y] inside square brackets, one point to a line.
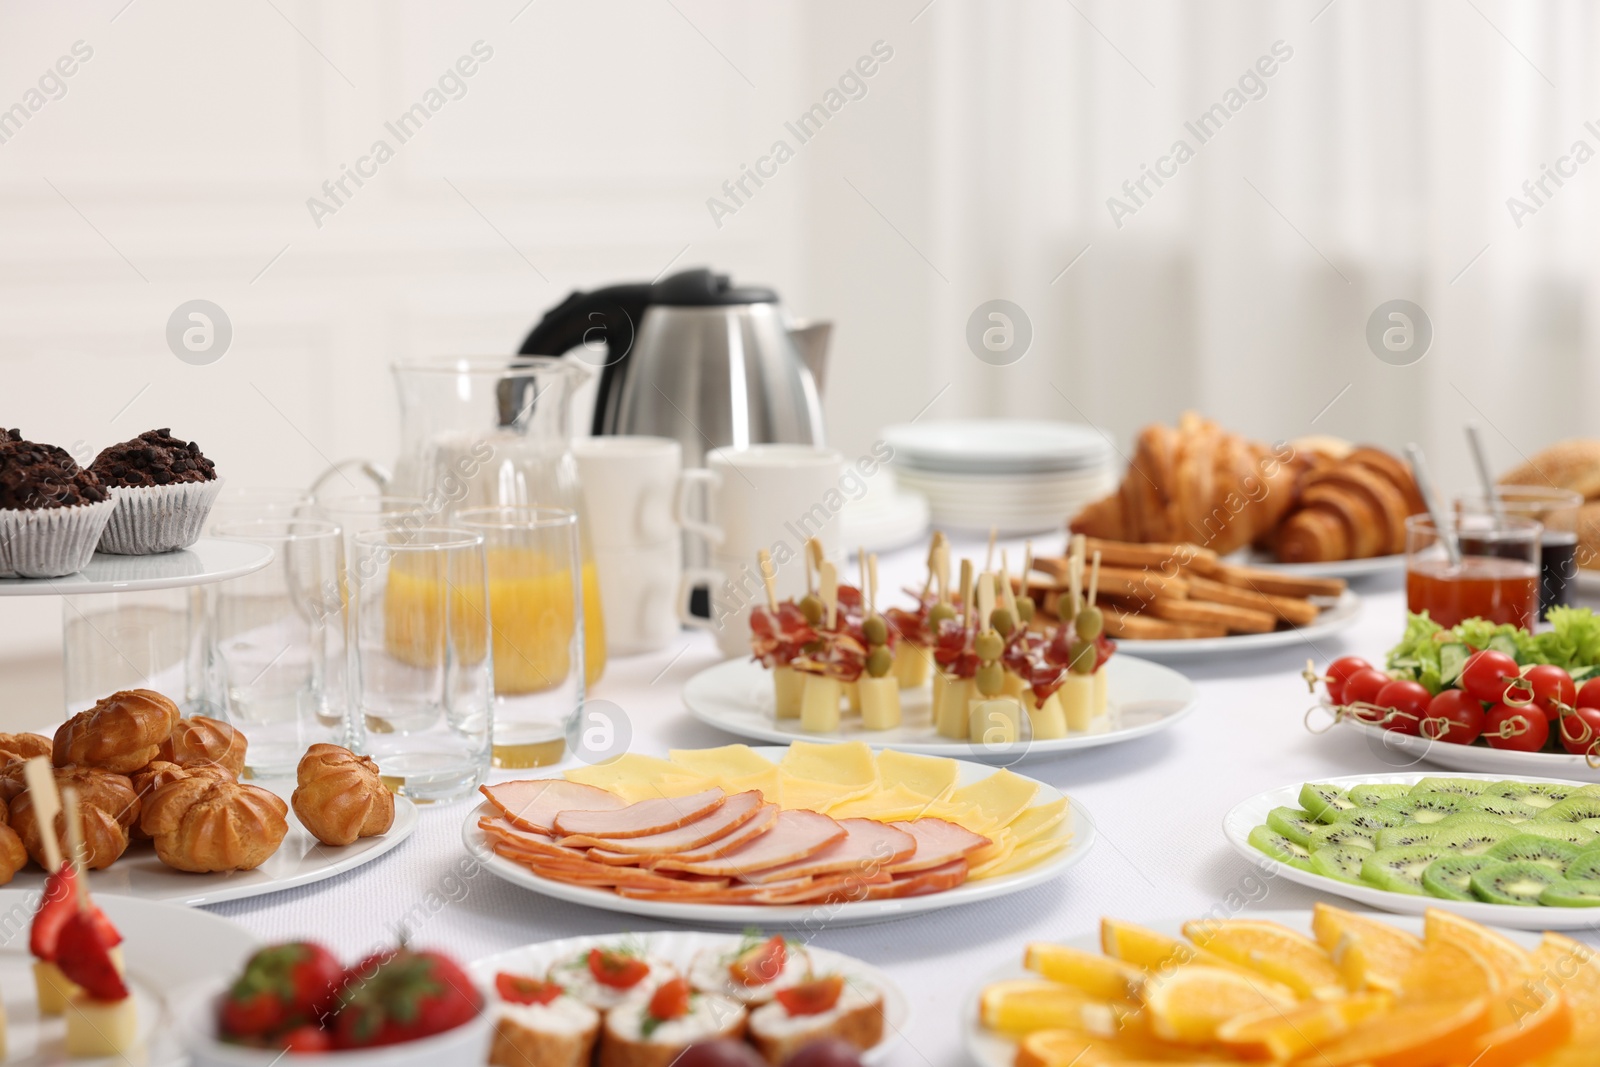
[1018, 475]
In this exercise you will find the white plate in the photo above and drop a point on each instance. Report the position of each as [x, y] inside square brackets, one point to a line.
[1342, 615]
[170, 951]
[978, 446]
[680, 948]
[207, 560]
[1337, 568]
[300, 860]
[1480, 759]
[882, 523]
[1077, 826]
[991, 1049]
[736, 696]
[1252, 813]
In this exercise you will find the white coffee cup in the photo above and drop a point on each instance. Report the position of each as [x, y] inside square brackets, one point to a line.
[772, 497]
[639, 590]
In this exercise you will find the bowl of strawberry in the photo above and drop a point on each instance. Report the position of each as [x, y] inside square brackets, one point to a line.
[296, 1001]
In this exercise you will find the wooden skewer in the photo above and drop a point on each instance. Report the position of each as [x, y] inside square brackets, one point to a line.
[1007, 596]
[830, 592]
[41, 781]
[1075, 580]
[1094, 579]
[872, 577]
[988, 559]
[769, 578]
[966, 593]
[811, 577]
[861, 562]
[933, 562]
[985, 599]
[75, 849]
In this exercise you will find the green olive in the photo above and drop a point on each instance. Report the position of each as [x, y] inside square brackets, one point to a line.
[1025, 609]
[939, 613]
[1002, 621]
[812, 607]
[879, 661]
[1083, 657]
[989, 645]
[875, 630]
[814, 648]
[1089, 623]
[991, 679]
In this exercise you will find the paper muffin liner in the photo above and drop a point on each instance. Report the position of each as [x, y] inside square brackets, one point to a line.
[51, 542]
[158, 518]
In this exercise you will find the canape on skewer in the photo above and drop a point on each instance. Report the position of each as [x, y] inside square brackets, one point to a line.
[953, 685]
[995, 716]
[878, 686]
[778, 634]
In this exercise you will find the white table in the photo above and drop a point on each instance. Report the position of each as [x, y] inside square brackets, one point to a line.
[1158, 804]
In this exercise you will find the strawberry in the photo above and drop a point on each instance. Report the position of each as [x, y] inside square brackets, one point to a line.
[57, 904]
[670, 1000]
[307, 1038]
[403, 995]
[516, 989]
[283, 987]
[617, 969]
[812, 997]
[761, 963]
[85, 959]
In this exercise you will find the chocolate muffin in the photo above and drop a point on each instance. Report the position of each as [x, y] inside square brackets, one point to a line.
[164, 488]
[52, 511]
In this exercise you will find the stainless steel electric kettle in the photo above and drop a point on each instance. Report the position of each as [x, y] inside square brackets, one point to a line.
[695, 358]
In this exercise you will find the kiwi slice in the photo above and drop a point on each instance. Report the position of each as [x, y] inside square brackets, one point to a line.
[1539, 794]
[1373, 819]
[1570, 893]
[1292, 823]
[1502, 807]
[1367, 796]
[1472, 839]
[1425, 807]
[1450, 877]
[1280, 848]
[1570, 832]
[1592, 824]
[1574, 809]
[1340, 861]
[1513, 883]
[1405, 836]
[1529, 848]
[1324, 802]
[1466, 787]
[1399, 870]
[1343, 833]
[1585, 868]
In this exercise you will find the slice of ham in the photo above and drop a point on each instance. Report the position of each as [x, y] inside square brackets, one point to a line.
[533, 804]
[581, 872]
[732, 894]
[734, 812]
[938, 843]
[918, 883]
[795, 835]
[831, 888]
[500, 832]
[759, 824]
[867, 849]
[638, 820]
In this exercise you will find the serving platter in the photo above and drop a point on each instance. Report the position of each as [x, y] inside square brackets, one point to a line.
[1478, 759]
[1244, 817]
[1077, 828]
[207, 560]
[680, 947]
[300, 860]
[1341, 615]
[171, 952]
[1334, 568]
[1145, 698]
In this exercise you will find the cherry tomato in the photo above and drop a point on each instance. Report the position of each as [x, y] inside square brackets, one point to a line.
[1487, 674]
[1362, 687]
[670, 1000]
[1553, 688]
[618, 970]
[1589, 695]
[1407, 703]
[1580, 731]
[1454, 716]
[1341, 669]
[1523, 729]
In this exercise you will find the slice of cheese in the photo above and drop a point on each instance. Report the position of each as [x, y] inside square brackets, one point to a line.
[1022, 858]
[809, 794]
[885, 805]
[635, 777]
[849, 765]
[729, 761]
[1001, 845]
[999, 798]
[1038, 821]
[768, 781]
[933, 777]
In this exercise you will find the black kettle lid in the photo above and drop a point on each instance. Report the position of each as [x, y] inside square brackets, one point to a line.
[703, 288]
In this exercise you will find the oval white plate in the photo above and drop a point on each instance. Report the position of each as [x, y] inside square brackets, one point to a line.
[169, 950]
[1077, 826]
[1252, 813]
[996, 1050]
[300, 860]
[736, 696]
[679, 948]
[1334, 568]
[1342, 615]
[1481, 759]
[207, 560]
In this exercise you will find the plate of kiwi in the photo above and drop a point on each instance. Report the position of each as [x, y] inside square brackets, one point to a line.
[1522, 853]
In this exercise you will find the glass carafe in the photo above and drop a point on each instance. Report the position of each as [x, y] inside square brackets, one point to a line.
[497, 432]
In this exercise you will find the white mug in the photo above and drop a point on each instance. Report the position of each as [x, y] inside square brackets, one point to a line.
[773, 497]
[639, 595]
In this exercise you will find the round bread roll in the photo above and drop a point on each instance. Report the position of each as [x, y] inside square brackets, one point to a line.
[1573, 465]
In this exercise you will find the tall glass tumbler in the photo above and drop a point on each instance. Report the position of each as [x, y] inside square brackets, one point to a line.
[275, 638]
[536, 606]
[421, 670]
[1556, 510]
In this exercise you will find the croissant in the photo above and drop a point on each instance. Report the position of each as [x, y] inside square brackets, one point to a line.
[1312, 535]
[200, 742]
[14, 747]
[340, 796]
[108, 804]
[121, 733]
[1382, 497]
[204, 824]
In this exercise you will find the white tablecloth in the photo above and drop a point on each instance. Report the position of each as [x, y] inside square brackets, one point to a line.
[1158, 804]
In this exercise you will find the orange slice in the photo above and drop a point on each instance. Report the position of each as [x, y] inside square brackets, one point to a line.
[1069, 1048]
[1424, 1034]
[1273, 950]
[1368, 953]
[1506, 959]
[1282, 1035]
[1573, 968]
[1189, 1004]
[1101, 977]
[1157, 953]
[1527, 1018]
[1449, 972]
[1024, 1005]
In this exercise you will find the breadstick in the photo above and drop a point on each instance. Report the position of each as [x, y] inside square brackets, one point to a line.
[1238, 620]
[1276, 582]
[1292, 610]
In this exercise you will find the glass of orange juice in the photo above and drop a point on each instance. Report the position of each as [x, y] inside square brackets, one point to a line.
[537, 609]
